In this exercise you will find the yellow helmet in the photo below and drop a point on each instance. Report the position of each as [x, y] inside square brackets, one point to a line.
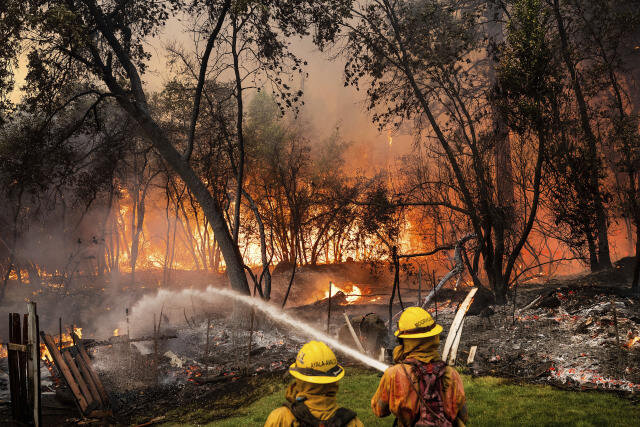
[415, 322]
[316, 363]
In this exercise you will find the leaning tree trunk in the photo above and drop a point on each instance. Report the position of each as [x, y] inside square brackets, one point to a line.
[210, 207]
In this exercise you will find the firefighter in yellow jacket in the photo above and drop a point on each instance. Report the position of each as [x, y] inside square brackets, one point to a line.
[420, 389]
[311, 397]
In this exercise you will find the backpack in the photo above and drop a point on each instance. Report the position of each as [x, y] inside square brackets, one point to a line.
[340, 418]
[430, 393]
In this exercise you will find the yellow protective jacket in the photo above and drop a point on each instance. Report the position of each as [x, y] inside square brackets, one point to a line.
[396, 395]
[320, 399]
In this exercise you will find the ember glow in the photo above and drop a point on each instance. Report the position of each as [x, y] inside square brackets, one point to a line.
[352, 295]
[67, 341]
[633, 341]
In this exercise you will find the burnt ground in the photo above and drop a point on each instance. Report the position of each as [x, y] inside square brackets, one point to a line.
[567, 339]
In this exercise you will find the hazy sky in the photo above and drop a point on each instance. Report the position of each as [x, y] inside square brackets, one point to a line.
[327, 102]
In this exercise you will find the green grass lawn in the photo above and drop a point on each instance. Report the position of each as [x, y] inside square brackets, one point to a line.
[491, 402]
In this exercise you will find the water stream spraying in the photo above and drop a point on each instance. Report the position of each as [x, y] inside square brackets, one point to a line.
[273, 312]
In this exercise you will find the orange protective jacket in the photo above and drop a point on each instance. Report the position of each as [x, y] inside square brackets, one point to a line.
[396, 395]
[320, 399]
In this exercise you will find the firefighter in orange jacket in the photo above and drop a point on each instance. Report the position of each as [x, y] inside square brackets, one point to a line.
[311, 397]
[420, 389]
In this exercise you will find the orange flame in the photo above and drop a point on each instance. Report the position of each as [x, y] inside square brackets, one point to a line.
[351, 296]
[633, 341]
[67, 341]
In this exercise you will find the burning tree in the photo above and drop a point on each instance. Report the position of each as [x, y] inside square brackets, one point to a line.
[419, 58]
[433, 63]
[103, 42]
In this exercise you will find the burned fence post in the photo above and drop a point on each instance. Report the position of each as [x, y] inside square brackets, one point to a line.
[435, 296]
[253, 313]
[515, 297]
[393, 293]
[33, 364]
[206, 348]
[396, 279]
[419, 286]
[24, 367]
[329, 308]
[155, 348]
[14, 367]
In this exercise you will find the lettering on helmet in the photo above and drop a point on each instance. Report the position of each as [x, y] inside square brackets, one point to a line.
[300, 358]
[421, 322]
[322, 363]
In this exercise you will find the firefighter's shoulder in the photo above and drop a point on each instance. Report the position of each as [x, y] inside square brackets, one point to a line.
[280, 417]
[283, 417]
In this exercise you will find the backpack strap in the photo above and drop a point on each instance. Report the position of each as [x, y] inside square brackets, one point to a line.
[303, 415]
[340, 418]
[429, 391]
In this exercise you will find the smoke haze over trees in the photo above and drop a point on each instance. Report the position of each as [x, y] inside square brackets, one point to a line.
[519, 120]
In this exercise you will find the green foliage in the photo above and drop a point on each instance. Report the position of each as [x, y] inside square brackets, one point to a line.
[435, 39]
[11, 21]
[527, 68]
[491, 401]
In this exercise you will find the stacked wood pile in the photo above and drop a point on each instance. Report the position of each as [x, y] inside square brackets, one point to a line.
[75, 368]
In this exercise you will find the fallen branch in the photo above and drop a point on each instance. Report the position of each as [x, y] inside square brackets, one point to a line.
[533, 303]
[353, 333]
[457, 269]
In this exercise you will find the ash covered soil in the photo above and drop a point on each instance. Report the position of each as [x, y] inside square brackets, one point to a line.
[562, 332]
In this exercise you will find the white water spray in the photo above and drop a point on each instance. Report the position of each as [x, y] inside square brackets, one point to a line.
[273, 312]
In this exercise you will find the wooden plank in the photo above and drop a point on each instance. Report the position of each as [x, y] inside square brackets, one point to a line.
[94, 376]
[78, 377]
[22, 358]
[17, 347]
[353, 334]
[19, 371]
[87, 377]
[472, 354]
[454, 348]
[36, 351]
[65, 371]
[14, 376]
[33, 365]
[457, 323]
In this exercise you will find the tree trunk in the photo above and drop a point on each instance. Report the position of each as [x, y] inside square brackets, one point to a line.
[502, 145]
[604, 257]
[266, 274]
[239, 130]
[229, 249]
[635, 287]
[134, 102]
[593, 252]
